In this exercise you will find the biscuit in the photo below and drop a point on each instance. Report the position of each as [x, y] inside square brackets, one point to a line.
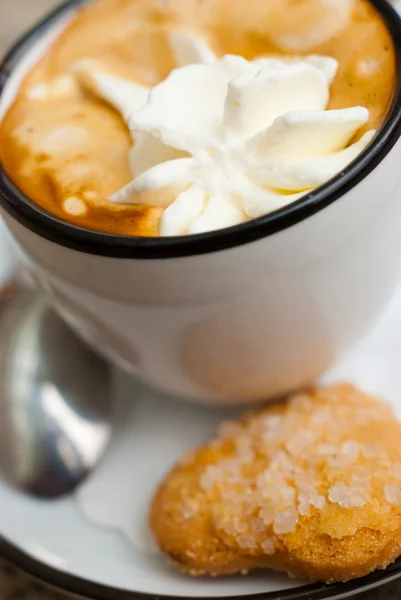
[311, 486]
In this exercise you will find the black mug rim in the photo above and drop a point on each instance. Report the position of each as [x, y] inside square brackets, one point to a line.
[46, 225]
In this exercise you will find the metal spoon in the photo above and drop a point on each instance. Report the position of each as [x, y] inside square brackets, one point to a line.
[55, 408]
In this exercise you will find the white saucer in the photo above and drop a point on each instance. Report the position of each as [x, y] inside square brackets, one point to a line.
[97, 544]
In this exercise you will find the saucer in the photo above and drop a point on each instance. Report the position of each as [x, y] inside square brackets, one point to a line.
[96, 544]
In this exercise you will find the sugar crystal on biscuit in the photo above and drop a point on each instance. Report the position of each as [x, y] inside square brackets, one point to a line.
[285, 522]
[348, 454]
[326, 449]
[321, 416]
[392, 493]
[395, 471]
[268, 546]
[246, 541]
[346, 496]
[267, 514]
[189, 508]
[371, 450]
[210, 477]
[300, 442]
[287, 495]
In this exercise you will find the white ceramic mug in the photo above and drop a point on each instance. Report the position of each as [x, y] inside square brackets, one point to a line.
[241, 314]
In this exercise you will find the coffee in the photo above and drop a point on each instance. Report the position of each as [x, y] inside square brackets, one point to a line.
[69, 150]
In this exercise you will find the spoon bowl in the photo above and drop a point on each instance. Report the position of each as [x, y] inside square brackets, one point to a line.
[55, 408]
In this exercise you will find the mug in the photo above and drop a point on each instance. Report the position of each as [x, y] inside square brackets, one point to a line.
[236, 315]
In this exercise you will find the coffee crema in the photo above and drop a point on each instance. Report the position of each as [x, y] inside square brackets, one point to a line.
[68, 150]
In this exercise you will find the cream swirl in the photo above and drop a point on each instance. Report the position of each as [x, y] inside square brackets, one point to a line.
[227, 140]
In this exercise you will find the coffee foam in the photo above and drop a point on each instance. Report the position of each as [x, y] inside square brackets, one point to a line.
[36, 52]
[57, 175]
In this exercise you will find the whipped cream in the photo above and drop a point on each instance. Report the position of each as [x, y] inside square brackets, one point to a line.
[127, 96]
[224, 140]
